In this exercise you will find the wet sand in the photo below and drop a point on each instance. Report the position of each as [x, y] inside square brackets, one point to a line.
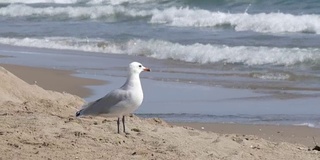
[276, 133]
[54, 79]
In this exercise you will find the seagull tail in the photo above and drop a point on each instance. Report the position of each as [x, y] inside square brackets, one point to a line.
[84, 110]
[78, 113]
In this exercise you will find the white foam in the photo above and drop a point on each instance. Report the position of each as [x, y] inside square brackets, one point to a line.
[118, 2]
[180, 17]
[40, 1]
[262, 22]
[91, 45]
[202, 53]
[91, 12]
[272, 76]
[198, 53]
[311, 125]
[112, 2]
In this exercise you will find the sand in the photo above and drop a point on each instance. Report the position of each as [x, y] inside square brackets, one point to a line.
[40, 124]
[54, 79]
[276, 133]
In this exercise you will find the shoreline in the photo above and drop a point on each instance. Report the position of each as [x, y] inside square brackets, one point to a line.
[54, 79]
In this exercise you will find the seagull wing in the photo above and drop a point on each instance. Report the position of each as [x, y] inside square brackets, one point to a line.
[106, 104]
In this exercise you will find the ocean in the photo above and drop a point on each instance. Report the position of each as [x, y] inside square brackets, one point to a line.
[230, 61]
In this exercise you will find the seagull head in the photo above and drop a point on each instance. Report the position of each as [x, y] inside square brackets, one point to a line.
[136, 67]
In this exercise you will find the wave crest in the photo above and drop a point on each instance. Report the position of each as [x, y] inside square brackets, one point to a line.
[91, 12]
[207, 53]
[112, 2]
[262, 22]
[196, 53]
[179, 17]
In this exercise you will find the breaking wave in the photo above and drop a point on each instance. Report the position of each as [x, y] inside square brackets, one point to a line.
[91, 12]
[196, 53]
[261, 22]
[113, 2]
[178, 17]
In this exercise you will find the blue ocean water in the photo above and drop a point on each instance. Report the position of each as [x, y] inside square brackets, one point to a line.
[267, 46]
[249, 32]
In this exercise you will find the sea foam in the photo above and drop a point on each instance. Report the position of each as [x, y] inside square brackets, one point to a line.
[196, 53]
[40, 1]
[89, 12]
[179, 17]
[113, 2]
[118, 2]
[261, 22]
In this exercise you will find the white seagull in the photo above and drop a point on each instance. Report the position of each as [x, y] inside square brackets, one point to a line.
[119, 102]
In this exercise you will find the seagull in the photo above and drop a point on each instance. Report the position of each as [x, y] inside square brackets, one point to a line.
[119, 102]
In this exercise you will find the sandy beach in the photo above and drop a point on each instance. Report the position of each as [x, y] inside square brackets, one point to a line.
[276, 133]
[40, 124]
[54, 79]
[63, 81]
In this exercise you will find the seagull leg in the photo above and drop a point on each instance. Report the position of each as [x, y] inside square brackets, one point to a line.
[124, 127]
[118, 123]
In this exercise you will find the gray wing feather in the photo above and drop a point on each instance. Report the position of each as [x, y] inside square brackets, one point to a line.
[104, 104]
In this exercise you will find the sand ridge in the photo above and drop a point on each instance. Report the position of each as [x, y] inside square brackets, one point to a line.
[40, 124]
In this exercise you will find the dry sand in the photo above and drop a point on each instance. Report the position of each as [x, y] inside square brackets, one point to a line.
[40, 124]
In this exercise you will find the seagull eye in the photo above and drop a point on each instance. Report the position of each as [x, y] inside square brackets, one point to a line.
[140, 66]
